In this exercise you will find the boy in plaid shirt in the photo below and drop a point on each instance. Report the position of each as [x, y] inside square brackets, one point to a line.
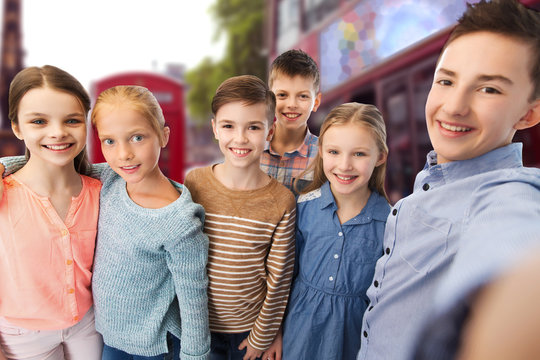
[294, 79]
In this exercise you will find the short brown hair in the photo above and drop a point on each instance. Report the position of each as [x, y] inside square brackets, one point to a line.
[54, 78]
[246, 89]
[509, 18]
[292, 63]
[137, 98]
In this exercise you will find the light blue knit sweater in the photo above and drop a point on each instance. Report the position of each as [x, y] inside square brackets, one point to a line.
[149, 270]
[144, 257]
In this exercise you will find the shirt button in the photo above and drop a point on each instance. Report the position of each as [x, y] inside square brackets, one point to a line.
[75, 318]
[69, 262]
[365, 334]
[336, 256]
[64, 232]
[331, 278]
[394, 212]
[425, 187]
[340, 233]
[71, 291]
[387, 251]
[376, 283]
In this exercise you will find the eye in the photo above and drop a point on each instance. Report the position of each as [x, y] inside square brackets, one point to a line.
[305, 97]
[137, 138]
[359, 153]
[489, 90]
[73, 121]
[445, 82]
[38, 121]
[227, 126]
[332, 152]
[254, 127]
[281, 95]
[108, 141]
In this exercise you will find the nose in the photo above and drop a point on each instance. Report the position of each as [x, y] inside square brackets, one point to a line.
[345, 163]
[58, 130]
[292, 102]
[240, 136]
[124, 152]
[456, 102]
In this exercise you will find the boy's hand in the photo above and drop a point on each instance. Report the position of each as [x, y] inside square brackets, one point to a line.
[251, 352]
[276, 348]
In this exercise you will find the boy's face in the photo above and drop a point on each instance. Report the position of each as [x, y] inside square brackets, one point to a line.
[479, 96]
[242, 131]
[295, 100]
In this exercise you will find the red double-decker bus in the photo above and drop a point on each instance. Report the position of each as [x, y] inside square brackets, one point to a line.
[170, 95]
[381, 52]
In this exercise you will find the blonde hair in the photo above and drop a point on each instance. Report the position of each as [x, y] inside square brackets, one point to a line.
[139, 99]
[364, 115]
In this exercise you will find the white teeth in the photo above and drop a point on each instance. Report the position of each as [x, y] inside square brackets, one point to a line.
[454, 128]
[129, 167]
[345, 178]
[291, 116]
[240, 151]
[58, 147]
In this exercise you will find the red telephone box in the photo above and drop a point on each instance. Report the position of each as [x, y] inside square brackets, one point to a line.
[170, 95]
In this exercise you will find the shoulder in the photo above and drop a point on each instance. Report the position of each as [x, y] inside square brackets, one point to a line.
[310, 196]
[194, 176]
[91, 182]
[282, 195]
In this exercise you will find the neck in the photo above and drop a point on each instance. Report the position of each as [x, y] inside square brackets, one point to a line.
[286, 140]
[352, 204]
[240, 179]
[46, 179]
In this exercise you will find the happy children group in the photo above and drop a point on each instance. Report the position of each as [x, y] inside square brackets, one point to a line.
[288, 248]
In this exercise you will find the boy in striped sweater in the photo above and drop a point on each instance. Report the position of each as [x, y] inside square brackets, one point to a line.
[250, 221]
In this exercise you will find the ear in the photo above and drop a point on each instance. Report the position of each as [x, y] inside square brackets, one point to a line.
[317, 102]
[271, 132]
[531, 118]
[382, 159]
[166, 135]
[16, 131]
[214, 129]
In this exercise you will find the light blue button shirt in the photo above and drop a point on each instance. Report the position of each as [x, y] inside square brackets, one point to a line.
[469, 210]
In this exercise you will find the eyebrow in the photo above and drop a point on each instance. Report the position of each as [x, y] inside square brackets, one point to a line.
[42, 114]
[484, 77]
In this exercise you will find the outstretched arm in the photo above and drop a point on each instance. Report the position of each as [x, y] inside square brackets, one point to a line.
[505, 317]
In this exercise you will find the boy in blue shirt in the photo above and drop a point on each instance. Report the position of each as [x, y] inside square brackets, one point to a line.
[475, 210]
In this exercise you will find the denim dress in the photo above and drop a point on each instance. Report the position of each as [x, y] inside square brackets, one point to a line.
[334, 267]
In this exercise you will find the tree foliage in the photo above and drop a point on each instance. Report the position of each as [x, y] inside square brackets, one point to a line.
[242, 23]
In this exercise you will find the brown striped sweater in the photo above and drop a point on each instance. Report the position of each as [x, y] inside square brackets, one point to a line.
[251, 255]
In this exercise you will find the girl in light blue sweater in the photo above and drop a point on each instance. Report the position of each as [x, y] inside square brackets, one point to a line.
[150, 262]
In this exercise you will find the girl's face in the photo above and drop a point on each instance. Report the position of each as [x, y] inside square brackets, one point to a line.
[52, 124]
[349, 155]
[129, 143]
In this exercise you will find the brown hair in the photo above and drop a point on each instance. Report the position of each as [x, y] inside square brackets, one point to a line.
[292, 63]
[247, 89]
[137, 98]
[54, 78]
[508, 18]
[364, 115]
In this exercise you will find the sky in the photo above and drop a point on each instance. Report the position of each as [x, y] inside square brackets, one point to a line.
[92, 39]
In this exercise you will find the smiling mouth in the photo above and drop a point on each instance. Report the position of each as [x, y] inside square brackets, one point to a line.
[346, 178]
[454, 128]
[240, 151]
[129, 167]
[292, 116]
[58, 147]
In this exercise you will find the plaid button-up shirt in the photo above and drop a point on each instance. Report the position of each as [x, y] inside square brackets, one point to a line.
[288, 167]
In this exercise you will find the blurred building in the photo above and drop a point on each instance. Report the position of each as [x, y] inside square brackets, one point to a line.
[381, 52]
[11, 63]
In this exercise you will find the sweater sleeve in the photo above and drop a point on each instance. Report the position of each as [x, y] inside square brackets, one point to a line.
[12, 164]
[279, 268]
[187, 256]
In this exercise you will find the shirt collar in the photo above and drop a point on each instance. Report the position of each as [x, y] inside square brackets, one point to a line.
[505, 157]
[302, 150]
[376, 207]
